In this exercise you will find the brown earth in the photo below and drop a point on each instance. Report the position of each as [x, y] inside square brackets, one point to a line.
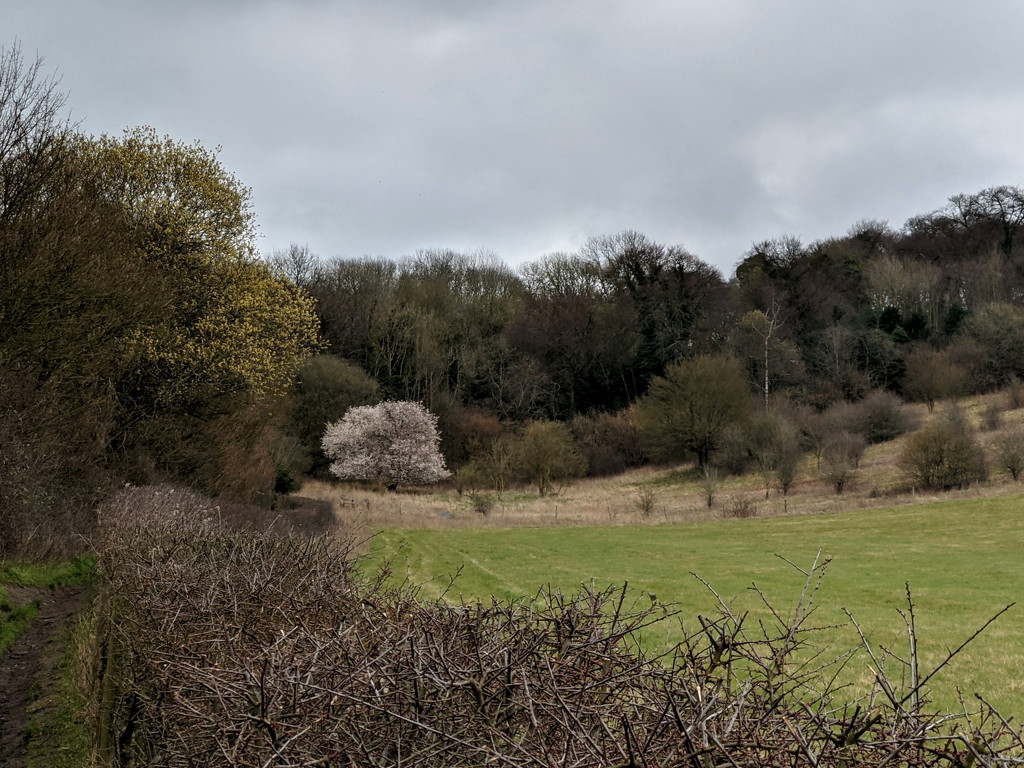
[27, 663]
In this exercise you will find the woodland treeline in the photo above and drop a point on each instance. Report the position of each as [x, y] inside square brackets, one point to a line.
[925, 311]
[143, 338]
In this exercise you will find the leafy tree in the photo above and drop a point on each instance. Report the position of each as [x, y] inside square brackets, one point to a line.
[546, 454]
[772, 359]
[228, 322]
[689, 408]
[933, 375]
[70, 295]
[325, 388]
[393, 443]
[225, 335]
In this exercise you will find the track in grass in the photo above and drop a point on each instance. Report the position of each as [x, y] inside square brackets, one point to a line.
[963, 560]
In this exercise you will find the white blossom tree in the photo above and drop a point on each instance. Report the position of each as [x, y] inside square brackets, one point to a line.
[393, 443]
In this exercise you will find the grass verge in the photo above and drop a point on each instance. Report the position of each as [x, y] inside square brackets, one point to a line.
[58, 734]
[16, 613]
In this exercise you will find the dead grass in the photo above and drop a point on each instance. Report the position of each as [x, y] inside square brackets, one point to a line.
[678, 493]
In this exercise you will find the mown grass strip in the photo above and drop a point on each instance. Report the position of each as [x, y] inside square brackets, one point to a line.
[963, 561]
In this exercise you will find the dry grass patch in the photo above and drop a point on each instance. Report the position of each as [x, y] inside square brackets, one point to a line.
[671, 493]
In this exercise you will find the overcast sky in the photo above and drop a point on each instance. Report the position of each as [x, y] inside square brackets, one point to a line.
[524, 127]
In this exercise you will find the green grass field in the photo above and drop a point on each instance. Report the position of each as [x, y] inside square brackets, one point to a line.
[964, 561]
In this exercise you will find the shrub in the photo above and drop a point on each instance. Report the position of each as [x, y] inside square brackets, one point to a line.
[775, 446]
[1014, 394]
[495, 468]
[547, 454]
[991, 416]
[733, 452]
[944, 455]
[879, 417]
[686, 412]
[740, 509]
[270, 650]
[841, 456]
[468, 433]
[709, 484]
[645, 502]
[469, 478]
[1009, 453]
[933, 375]
[609, 442]
[483, 503]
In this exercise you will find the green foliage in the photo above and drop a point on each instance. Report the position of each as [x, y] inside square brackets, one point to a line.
[944, 455]
[78, 570]
[139, 336]
[228, 321]
[933, 375]
[326, 387]
[483, 503]
[15, 617]
[688, 410]
[546, 454]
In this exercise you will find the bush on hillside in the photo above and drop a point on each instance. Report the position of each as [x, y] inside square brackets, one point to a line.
[1009, 453]
[933, 375]
[610, 443]
[841, 456]
[879, 417]
[774, 444]
[944, 455]
[546, 455]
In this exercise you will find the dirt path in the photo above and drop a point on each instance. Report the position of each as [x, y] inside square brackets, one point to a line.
[24, 665]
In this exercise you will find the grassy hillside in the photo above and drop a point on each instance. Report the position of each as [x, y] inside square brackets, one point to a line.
[961, 558]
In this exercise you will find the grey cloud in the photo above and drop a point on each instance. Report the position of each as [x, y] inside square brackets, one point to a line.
[526, 127]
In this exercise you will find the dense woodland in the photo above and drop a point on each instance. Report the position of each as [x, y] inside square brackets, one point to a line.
[923, 312]
[142, 336]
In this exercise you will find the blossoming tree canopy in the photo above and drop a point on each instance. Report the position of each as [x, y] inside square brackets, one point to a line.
[395, 442]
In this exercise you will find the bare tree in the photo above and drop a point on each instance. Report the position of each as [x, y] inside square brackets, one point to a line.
[297, 263]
